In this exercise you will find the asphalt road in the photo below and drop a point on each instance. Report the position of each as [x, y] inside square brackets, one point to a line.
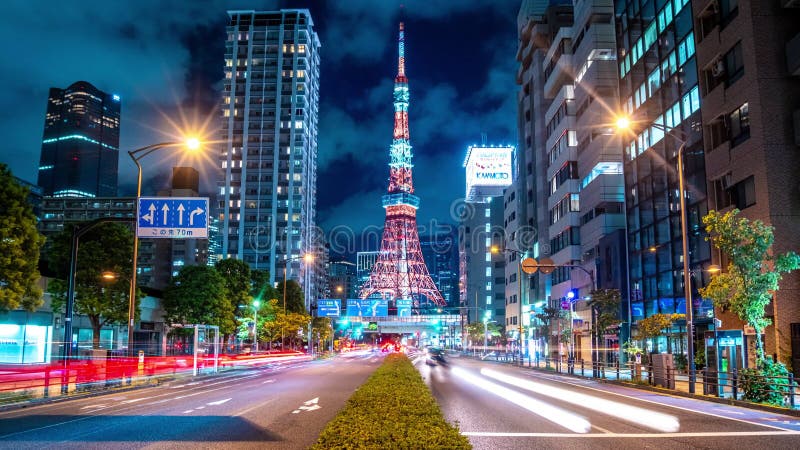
[281, 406]
[502, 407]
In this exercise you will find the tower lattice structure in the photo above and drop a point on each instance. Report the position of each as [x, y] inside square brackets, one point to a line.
[400, 271]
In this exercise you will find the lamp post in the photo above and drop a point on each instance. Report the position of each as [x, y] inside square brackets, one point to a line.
[256, 304]
[136, 155]
[623, 124]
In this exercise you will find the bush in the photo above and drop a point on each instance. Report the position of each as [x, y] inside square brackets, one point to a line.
[393, 409]
[767, 384]
[680, 361]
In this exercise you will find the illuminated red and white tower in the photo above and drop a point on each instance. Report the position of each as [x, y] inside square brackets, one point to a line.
[400, 272]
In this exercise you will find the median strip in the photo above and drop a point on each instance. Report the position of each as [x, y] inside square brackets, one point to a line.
[393, 409]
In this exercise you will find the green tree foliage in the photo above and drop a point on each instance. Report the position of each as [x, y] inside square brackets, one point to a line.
[550, 318]
[606, 303]
[321, 329]
[654, 326]
[236, 276]
[197, 296]
[108, 247]
[294, 297]
[19, 247]
[747, 285]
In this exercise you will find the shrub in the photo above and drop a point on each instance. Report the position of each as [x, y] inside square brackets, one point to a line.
[393, 409]
[767, 384]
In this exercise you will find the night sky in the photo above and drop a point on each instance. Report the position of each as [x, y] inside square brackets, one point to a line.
[165, 60]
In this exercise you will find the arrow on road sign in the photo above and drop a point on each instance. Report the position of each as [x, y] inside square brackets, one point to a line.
[310, 405]
[150, 217]
[194, 213]
[165, 210]
[181, 209]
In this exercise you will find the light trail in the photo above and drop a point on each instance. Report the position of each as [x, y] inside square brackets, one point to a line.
[556, 415]
[640, 416]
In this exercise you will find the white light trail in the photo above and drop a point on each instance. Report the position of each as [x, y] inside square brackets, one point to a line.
[633, 414]
[558, 416]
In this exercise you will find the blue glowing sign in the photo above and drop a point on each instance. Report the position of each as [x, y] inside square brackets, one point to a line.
[329, 307]
[404, 308]
[172, 217]
[370, 307]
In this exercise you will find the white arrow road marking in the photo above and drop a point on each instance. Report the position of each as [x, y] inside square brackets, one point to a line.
[181, 209]
[165, 210]
[309, 405]
[94, 406]
[218, 402]
[197, 211]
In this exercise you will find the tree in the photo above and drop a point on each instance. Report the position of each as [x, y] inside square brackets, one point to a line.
[605, 303]
[653, 326]
[550, 318]
[197, 296]
[236, 276]
[108, 247]
[294, 297]
[321, 329]
[19, 247]
[752, 276]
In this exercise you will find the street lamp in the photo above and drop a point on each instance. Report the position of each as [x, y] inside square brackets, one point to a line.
[256, 304]
[191, 144]
[623, 123]
[307, 258]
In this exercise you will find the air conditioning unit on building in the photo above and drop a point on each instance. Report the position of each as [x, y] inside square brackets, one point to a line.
[718, 68]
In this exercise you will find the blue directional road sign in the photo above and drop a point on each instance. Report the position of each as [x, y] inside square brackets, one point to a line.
[329, 307]
[172, 217]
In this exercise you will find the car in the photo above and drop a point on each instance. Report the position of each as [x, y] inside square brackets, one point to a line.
[436, 356]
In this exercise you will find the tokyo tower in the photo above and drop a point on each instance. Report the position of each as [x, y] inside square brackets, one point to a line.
[399, 271]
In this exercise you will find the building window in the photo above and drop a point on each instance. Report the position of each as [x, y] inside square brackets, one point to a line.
[739, 125]
[728, 10]
[743, 193]
[734, 64]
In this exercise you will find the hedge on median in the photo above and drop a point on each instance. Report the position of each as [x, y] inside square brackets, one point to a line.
[393, 409]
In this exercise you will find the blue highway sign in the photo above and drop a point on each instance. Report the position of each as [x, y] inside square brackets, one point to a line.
[329, 307]
[172, 217]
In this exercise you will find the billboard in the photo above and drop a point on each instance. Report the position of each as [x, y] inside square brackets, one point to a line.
[488, 170]
[404, 308]
[369, 307]
[329, 307]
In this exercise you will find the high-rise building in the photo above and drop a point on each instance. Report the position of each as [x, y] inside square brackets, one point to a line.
[748, 59]
[440, 252]
[659, 90]
[267, 196]
[342, 280]
[80, 145]
[364, 263]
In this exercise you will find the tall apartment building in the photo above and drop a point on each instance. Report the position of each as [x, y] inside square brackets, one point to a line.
[267, 196]
[748, 63]
[364, 263]
[526, 201]
[80, 145]
[658, 85]
[342, 280]
[440, 252]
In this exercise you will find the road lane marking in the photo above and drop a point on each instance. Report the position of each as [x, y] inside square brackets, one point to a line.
[102, 405]
[134, 400]
[219, 402]
[549, 412]
[629, 413]
[634, 435]
[268, 381]
[719, 416]
[188, 411]
[309, 405]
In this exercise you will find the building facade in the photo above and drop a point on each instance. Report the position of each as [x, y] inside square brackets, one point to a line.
[342, 280]
[659, 89]
[440, 252]
[748, 63]
[364, 263]
[80, 144]
[267, 195]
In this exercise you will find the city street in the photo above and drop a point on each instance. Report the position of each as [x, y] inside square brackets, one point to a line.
[281, 406]
[502, 407]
